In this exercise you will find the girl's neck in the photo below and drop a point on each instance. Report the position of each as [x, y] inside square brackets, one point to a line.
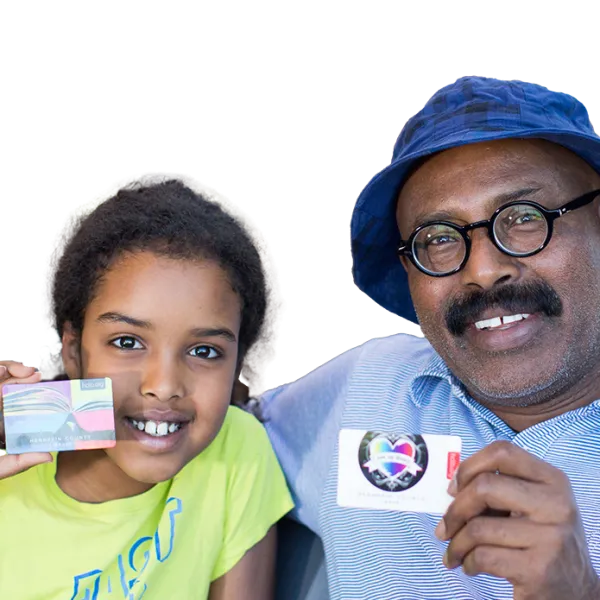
[92, 477]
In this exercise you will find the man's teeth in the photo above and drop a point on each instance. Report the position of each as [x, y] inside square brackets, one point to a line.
[498, 321]
[159, 429]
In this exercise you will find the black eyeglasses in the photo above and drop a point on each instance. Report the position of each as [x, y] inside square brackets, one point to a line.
[520, 228]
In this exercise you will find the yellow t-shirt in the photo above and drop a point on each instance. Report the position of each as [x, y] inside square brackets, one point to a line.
[169, 542]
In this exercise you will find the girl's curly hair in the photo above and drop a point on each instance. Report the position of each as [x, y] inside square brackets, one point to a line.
[172, 220]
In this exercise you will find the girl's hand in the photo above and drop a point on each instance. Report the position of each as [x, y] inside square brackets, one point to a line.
[11, 464]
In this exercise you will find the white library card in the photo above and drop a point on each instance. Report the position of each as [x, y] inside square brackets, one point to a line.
[388, 471]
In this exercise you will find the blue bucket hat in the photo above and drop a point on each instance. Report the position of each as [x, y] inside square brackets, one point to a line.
[471, 110]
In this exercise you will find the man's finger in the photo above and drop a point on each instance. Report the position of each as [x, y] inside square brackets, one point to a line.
[497, 492]
[11, 464]
[508, 459]
[506, 563]
[504, 532]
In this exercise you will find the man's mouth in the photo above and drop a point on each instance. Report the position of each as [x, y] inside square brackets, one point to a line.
[501, 333]
[501, 321]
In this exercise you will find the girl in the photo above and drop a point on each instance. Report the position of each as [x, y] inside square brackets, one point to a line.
[164, 292]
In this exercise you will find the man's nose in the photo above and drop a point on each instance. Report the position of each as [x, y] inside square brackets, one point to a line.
[487, 265]
[162, 379]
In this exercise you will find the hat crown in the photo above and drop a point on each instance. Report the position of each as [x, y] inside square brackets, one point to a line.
[471, 106]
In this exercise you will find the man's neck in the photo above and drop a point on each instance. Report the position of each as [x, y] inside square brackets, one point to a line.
[522, 417]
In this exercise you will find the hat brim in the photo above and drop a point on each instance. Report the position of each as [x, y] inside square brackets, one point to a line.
[376, 268]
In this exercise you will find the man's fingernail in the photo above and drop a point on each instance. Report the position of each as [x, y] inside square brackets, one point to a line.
[447, 563]
[3, 370]
[453, 487]
[440, 530]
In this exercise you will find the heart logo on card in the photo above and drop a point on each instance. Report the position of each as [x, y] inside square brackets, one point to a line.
[393, 462]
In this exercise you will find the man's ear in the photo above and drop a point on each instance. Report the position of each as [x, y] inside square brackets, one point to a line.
[71, 351]
[404, 261]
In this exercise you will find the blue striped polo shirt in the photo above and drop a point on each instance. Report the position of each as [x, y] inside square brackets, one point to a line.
[400, 384]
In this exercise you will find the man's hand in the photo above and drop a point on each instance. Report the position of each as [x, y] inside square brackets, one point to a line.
[539, 545]
[11, 464]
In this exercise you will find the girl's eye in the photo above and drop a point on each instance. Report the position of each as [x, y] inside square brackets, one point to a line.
[204, 352]
[127, 343]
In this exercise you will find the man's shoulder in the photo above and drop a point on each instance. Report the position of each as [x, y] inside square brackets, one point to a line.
[400, 353]
[396, 352]
[399, 343]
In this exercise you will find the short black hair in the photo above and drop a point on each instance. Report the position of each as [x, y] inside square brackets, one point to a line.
[169, 219]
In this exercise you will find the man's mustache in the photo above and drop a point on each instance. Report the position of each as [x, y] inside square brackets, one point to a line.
[532, 297]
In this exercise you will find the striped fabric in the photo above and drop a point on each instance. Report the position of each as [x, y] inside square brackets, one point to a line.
[400, 384]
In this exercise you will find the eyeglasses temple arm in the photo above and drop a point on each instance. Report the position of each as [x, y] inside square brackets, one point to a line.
[578, 202]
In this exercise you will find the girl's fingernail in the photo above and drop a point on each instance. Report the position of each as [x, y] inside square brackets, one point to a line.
[3, 370]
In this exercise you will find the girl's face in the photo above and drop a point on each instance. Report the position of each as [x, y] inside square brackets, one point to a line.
[166, 332]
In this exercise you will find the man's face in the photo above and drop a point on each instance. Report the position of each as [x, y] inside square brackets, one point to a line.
[525, 361]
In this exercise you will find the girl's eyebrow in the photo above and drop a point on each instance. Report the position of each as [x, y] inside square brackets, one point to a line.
[223, 332]
[199, 332]
[115, 317]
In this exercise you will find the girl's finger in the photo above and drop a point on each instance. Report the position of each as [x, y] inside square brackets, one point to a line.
[34, 378]
[16, 369]
[11, 464]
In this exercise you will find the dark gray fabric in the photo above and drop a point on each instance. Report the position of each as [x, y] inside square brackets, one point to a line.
[300, 571]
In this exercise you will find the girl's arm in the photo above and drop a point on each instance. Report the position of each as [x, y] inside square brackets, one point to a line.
[253, 577]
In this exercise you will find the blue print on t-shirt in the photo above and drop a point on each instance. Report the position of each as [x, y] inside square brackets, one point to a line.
[146, 549]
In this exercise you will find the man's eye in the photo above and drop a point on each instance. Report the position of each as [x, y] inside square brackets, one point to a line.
[441, 239]
[204, 352]
[126, 343]
[522, 215]
[527, 218]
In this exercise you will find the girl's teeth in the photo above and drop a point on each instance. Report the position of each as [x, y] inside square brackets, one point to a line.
[156, 429]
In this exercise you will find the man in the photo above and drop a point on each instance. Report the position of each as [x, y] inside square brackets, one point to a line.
[485, 228]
